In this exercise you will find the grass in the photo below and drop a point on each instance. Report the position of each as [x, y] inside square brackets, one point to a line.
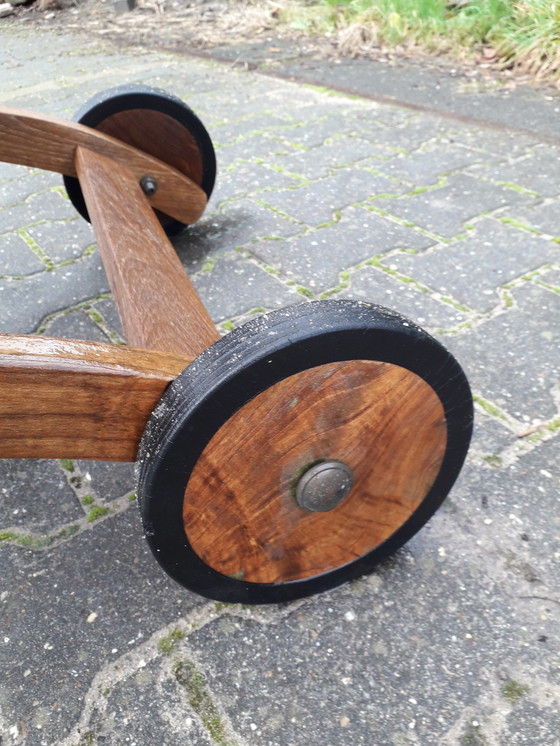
[522, 34]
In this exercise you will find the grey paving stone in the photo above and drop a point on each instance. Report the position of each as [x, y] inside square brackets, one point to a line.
[508, 359]
[36, 497]
[544, 217]
[409, 134]
[335, 152]
[65, 241]
[106, 307]
[16, 258]
[23, 303]
[430, 163]
[322, 125]
[45, 206]
[316, 259]
[248, 178]
[318, 203]
[238, 223]
[75, 325]
[247, 285]
[537, 171]
[445, 210]
[472, 270]
[499, 144]
[148, 707]
[23, 183]
[364, 677]
[551, 277]
[69, 584]
[490, 436]
[374, 285]
[107, 480]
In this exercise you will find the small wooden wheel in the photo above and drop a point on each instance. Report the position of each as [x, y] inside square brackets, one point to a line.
[300, 450]
[156, 123]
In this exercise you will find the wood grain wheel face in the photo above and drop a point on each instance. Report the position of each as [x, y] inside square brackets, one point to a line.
[156, 123]
[384, 422]
[337, 380]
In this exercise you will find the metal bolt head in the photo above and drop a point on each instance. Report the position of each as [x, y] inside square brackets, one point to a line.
[322, 487]
[149, 185]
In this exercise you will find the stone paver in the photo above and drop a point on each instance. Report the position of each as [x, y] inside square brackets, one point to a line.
[454, 640]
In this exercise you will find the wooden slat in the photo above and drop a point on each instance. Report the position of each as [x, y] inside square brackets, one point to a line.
[70, 399]
[157, 303]
[50, 143]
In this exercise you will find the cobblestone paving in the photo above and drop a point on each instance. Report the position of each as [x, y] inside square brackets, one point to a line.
[452, 641]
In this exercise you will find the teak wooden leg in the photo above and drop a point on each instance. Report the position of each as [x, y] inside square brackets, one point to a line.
[283, 459]
[157, 303]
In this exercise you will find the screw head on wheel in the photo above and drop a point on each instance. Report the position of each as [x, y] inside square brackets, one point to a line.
[323, 486]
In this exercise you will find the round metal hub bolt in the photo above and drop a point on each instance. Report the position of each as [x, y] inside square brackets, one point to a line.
[149, 185]
[324, 486]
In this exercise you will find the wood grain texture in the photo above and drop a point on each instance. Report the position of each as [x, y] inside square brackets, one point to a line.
[160, 136]
[50, 143]
[383, 421]
[64, 398]
[157, 303]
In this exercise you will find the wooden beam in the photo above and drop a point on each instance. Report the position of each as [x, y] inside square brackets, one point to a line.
[50, 143]
[63, 398]
[157, 303]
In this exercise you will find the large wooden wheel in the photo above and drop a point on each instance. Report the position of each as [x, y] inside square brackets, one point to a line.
[259, 426]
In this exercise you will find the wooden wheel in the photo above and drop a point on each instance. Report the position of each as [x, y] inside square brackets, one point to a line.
[300, 450]
[156, 123]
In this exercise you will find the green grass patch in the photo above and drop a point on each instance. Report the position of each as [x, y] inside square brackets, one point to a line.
[520, 35]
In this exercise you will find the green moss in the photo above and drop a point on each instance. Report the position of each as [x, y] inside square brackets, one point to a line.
[87, 500]
[194, 684]
[473, 736]
[221, 605]
[67, 531]
[132, 497]
[97, 512]
[229, 326]
[493, 460]
[7, 536]
[169, 642]
[489, 408]
[519, 224]
[67, 464]
[95, 316]
[513, 690]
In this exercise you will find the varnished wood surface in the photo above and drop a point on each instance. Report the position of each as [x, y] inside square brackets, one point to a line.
[157, 303]
[64, 398]
[158, 135]
[50, 143]
[383, 421]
